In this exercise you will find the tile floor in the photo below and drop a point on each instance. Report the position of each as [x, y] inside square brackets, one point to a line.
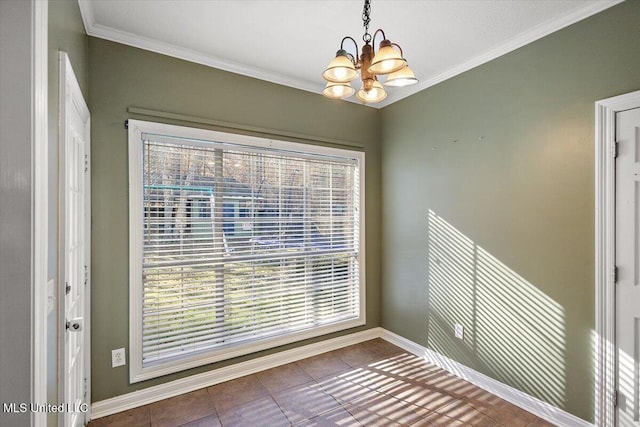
[369, 384]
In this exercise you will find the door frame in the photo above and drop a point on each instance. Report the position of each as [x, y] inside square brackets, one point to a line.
[604, 338]
[70, 93]
[40, 209]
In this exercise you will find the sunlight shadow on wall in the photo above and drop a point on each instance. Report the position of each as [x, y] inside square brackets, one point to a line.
[511, 329]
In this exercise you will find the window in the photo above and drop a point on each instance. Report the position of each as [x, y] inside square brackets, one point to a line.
[238, 244]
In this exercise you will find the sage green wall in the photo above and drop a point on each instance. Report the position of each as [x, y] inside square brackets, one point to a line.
[122, 77]
[488, 208]
[66, 33]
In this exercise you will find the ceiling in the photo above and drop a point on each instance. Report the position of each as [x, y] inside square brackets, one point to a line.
[291, 42]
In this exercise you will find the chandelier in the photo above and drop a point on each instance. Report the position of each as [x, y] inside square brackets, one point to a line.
[387, 61]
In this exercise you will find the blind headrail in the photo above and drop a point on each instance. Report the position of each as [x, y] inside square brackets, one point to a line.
[260, 131]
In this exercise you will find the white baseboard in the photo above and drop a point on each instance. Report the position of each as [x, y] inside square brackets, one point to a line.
[152, 394]
[529, 403]
[217, 376]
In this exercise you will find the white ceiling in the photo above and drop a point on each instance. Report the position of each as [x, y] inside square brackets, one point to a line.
[291, 42]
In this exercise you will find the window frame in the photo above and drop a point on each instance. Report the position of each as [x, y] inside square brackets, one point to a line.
[136, 129]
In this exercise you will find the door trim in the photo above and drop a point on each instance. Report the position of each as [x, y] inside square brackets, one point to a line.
[40, 210]
[604, 338]
[69, 90]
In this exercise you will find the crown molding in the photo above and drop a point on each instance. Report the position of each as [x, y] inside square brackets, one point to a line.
[100, 31]
[87, 14]
[96, 30]
[524, 38]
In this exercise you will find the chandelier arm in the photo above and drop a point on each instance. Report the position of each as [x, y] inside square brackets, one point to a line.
[353, 57]
[399, 48]
[384, 37]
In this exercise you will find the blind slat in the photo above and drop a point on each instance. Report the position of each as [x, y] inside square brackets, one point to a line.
[242, 243]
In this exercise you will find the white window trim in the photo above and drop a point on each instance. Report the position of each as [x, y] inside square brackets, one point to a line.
[139, 373]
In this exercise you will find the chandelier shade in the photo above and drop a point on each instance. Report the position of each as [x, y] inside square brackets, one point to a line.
[341, 69]
[402, 77]
[338, 90]
[375, 94]
[387, 61]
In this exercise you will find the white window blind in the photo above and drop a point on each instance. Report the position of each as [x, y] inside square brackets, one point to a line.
[244, 244]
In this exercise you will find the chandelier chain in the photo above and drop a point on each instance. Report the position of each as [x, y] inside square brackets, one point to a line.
[366, 19]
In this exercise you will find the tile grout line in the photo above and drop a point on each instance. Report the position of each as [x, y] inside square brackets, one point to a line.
[215, 410]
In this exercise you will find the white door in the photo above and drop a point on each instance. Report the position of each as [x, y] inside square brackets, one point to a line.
[75, 253]
[628, 263]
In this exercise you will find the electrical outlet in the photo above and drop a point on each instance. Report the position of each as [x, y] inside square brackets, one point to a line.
[118, 358]
[458, 331]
